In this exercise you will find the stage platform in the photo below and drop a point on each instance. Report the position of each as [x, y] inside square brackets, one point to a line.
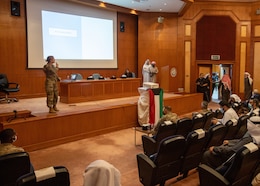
[80, 120]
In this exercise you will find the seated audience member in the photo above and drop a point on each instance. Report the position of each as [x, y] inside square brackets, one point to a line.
[7, 138]
[128, 73]
[168, 115]
[101, 173]
[217, 155]
[256, 94]
[204, 108]
[235, 102]
[253, 107]
[229, 113]
[255, 120]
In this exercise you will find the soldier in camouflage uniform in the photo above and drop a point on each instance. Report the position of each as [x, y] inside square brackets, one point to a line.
[8, 137]
[51, 83]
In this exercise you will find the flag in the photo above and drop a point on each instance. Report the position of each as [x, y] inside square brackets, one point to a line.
[156, 105]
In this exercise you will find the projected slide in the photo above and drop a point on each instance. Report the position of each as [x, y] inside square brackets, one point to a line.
[68, 36]
[78, 36]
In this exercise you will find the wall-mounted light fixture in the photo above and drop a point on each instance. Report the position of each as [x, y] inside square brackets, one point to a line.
[160, 19]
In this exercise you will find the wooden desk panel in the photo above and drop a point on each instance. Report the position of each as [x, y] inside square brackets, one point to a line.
[90, 90]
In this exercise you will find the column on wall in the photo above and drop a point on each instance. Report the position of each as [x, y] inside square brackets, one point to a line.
[187, 59]
[243, 45]
[256, 58]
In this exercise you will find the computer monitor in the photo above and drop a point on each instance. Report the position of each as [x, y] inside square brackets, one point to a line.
[73, 76]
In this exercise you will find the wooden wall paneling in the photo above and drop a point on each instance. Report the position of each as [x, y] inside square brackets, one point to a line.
[243, 47]
[98, 89]
[165, 76]
[45, 132]
[109, 88]
[143, 38]
[48, 130]
[75, 90]
[127, 44]
[90, 90]
[183, 105]
[157, 41]
[234, 10]
[14, 56]
[87, 90]
[256, 71]
[118, 87]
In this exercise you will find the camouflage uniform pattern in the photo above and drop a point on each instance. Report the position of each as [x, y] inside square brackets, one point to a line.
[8, 148]
[51, 87]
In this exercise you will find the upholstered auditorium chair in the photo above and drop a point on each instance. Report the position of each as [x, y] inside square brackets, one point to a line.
[198, 121]
[184, 126]
[12, 166]
[218, 114]
[50, 176]
[164, 164]
[232, 129]
[216, 135]
[194, 148]
[242, 126]
[208, 118]
[150, 144]
[239, 171]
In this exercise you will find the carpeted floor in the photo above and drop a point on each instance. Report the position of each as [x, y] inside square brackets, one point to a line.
[117, 148]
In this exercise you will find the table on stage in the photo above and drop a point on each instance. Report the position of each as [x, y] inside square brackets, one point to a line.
[141, 130]
[75, 91]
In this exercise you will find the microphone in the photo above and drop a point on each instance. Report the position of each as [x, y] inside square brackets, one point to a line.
[15, 113]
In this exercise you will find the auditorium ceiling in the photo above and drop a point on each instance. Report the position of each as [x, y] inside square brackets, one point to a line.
[171, 6]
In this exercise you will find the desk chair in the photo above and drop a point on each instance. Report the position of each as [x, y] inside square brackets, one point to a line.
[51, 176]
[76, 76]
[12, 166]
[7, 87]
[96, 76]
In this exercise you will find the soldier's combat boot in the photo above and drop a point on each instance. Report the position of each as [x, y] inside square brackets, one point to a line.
[52, 110]
[55, 108]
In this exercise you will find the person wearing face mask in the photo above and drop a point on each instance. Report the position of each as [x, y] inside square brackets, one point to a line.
[51, 86]
[153, 70]
[168, 115]
[253, 107]
[229, 113]
[7, 138]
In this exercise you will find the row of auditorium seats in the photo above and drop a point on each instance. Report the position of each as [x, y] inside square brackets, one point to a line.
[232, 130]
[195, 144]
[177, 155]
[16, 170]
